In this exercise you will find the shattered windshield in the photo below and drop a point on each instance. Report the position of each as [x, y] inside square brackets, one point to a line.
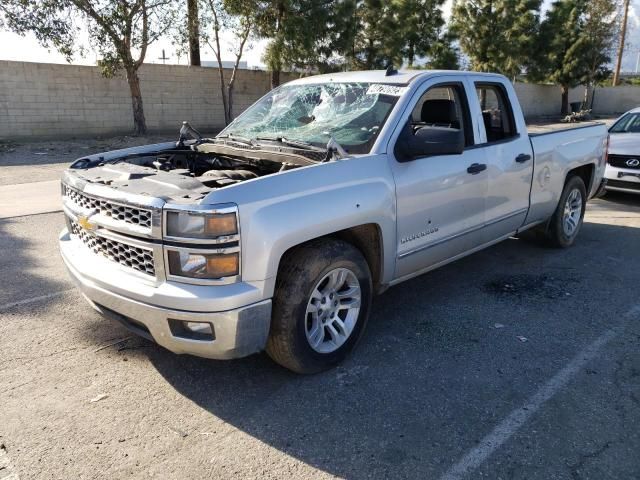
[351, 113]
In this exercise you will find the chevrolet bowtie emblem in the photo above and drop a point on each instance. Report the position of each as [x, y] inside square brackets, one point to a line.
[85, 221]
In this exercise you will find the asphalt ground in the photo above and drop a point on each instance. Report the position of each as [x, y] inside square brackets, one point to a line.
[516, 362]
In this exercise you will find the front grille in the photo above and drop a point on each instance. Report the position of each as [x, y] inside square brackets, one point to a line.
[622, 184]
[620, 161]
[123, 213]
[140, 259]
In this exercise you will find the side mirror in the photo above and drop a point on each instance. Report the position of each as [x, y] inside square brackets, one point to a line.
[428, 141]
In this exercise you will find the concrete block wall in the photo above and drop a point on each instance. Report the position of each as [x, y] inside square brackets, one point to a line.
[616, 99]
[39, 100]
[52, 101]
[543, 100]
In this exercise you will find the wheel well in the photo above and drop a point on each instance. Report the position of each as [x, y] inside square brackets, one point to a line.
[585, 172]
[366, 238]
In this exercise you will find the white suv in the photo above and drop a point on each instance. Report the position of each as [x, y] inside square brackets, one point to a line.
[623, 167]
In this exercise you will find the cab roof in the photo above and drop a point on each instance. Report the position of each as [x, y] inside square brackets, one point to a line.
[402, 77]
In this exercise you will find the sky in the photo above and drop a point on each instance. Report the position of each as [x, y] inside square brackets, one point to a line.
[27, 49]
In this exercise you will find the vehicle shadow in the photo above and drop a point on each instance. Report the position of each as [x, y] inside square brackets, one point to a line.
[441, 362]
[29, 264]
[619, 201]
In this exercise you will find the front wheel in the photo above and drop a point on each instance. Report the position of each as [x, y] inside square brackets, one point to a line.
[320, 306]
[567, 219]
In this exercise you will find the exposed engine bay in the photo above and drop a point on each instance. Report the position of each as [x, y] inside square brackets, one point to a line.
[187, 170]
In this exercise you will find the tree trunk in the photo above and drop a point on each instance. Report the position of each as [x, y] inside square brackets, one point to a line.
[139, 122]
[411, 55]
[277, 62]
[193, 28]
[623, 34]
[564, 110]
[223, 93]
[587, 91]
[230, 102]
[275, 77]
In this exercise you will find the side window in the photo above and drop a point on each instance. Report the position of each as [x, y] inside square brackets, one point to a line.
[444, 106]
[497, 115]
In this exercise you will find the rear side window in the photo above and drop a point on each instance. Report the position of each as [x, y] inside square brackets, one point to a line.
[497, 115]
[444, 106]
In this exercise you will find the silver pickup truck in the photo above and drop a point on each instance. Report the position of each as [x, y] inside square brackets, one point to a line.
[276, 233]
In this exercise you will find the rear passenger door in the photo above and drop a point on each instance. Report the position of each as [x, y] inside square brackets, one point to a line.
[509, 157]
[440, 198]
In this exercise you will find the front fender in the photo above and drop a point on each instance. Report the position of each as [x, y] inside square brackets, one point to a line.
[283, 210]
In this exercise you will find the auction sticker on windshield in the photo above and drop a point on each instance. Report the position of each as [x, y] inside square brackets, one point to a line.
[381, 89]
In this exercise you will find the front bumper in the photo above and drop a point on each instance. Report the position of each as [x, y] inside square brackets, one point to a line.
[237, 332]
[623, 179]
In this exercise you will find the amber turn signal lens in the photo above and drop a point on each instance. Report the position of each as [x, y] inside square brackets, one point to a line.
[203, 265]
[224, 224]
[222, 265]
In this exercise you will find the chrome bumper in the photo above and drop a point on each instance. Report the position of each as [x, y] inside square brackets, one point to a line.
[237, 332]
[622, 179]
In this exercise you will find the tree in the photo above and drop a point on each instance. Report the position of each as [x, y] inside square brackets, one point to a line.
[303, 34]
[575, 44]
[497, 35]
[193, 29]
[44, 19]
[443, 54]
[560, 58]
[596, 41]
[419, 22]
[236, 16]
[377, 38]
[299, 32]
[121, 31]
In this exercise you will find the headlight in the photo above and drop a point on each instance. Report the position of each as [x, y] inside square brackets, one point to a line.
[207, 266]
[201, 225]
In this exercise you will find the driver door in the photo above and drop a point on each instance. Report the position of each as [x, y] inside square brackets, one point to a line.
[440, 198]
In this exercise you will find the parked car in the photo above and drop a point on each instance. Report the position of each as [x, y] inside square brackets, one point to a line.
[276, 233]
[623, 165]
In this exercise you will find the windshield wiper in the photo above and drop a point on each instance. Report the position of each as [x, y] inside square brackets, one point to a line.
[292, 143]
[235, 138]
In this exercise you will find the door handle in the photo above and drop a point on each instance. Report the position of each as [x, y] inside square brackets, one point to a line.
[523, 157]
[475, 168]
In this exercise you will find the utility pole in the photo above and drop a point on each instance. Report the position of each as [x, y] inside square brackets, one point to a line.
[193, 28]
[623, 34]
[164, 58]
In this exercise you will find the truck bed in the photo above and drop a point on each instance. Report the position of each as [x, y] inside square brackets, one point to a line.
[537, 129]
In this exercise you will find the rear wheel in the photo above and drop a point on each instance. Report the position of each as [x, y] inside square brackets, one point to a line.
[566, 221]
[320, 306]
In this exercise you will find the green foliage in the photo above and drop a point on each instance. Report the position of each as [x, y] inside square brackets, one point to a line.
[444, 55]
[419, 23]
[303, 33]
[330, 35]
[48, 20]
[575, 45]
[559, 58]
[497, 35]
[393, 32]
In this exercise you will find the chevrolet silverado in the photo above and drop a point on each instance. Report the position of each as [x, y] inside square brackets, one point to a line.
[275, 234]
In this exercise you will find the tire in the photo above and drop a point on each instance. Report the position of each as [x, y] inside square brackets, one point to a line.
[298, 311]
[557, 234]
